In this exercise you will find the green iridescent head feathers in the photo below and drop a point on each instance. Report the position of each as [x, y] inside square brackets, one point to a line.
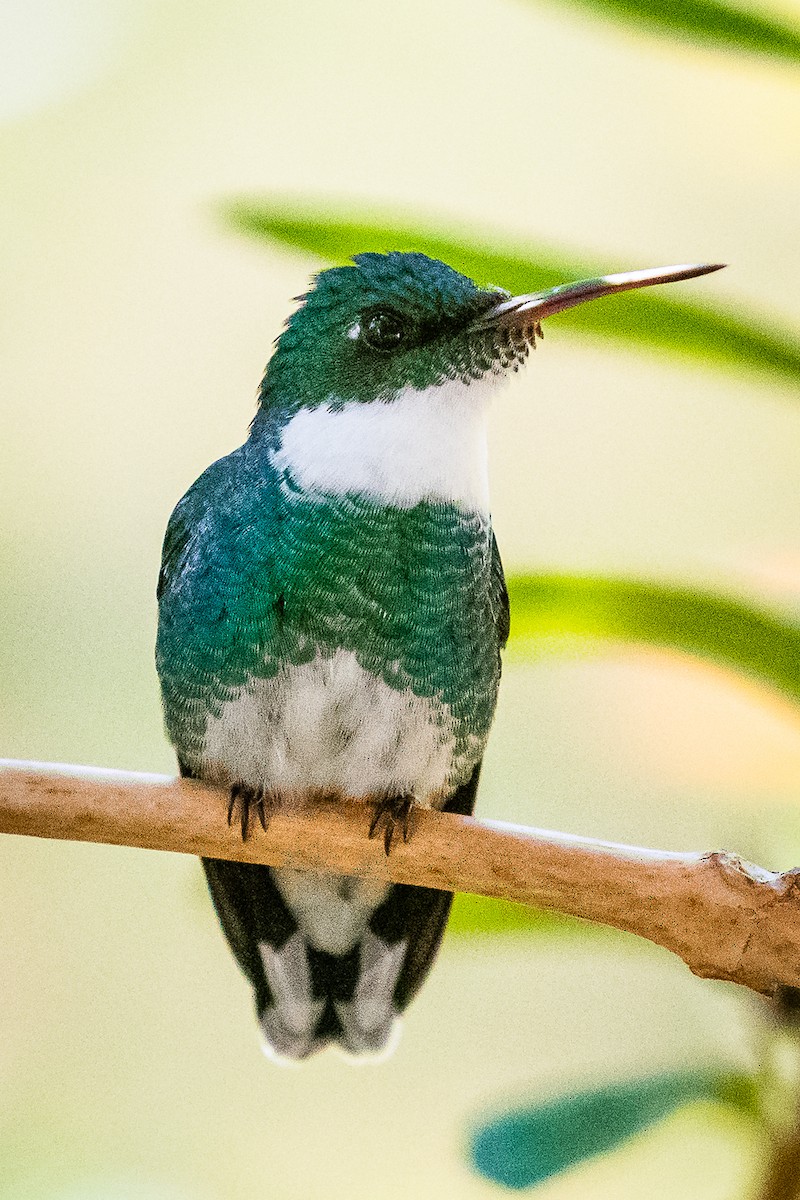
[389, 321]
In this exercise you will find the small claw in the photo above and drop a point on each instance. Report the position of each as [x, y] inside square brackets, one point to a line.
[232, 802]
[394, 810]
[249, 798]
[376, 820]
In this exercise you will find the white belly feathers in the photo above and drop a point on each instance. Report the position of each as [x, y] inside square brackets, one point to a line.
[330, 726]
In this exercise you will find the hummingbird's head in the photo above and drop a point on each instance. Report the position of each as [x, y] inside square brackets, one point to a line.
[387, 323]
[376, 387]
[398, 321]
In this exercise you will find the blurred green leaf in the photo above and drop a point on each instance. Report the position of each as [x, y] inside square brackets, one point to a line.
[743, 1093]
[526, 1146]
[648, 319]
[729, 632]
[481, 915]
[706, 22]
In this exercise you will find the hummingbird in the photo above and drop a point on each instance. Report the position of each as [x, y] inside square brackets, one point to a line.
[332, 612]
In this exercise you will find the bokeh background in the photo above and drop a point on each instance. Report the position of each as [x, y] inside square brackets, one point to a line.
[136, 322]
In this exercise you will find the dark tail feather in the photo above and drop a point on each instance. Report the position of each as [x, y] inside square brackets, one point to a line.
[420, 914]
[261, 932]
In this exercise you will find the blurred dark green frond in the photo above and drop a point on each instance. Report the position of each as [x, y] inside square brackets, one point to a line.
[736, 635]
[706, 22]
[524, 1147]
[651, 319]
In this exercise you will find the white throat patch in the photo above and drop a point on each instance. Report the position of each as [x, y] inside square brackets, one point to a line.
[424, 445]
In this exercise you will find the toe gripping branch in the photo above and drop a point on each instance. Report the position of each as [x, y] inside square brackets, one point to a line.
[248, 799]
[392, 811]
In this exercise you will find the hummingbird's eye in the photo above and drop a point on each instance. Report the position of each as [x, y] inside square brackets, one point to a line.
[384, 329]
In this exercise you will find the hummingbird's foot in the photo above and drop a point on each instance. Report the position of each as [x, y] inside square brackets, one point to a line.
[394, 810]
[250, 799]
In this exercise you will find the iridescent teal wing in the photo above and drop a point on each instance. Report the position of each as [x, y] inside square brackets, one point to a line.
[219, 598]
[499, 592]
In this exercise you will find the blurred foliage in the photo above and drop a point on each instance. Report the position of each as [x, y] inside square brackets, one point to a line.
[650, 319]
[480, 915]
[716, 628]
[525, 1146]
[706, 22]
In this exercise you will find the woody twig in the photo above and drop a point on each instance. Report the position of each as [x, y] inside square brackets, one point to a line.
[726, 918]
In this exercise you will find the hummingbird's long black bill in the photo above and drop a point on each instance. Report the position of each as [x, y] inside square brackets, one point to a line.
[533, 308]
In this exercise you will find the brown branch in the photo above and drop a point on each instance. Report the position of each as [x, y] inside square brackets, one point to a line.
[725, 918]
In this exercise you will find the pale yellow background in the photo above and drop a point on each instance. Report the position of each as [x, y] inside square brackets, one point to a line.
[133, 331]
